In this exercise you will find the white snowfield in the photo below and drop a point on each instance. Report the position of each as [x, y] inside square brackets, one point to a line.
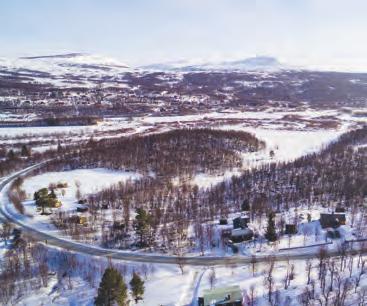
[57, 67]
[253, 121]
[90, 181]
[44, 231]
[166, 286]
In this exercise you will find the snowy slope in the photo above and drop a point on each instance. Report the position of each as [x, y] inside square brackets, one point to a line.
[258, 63]
[63, 66]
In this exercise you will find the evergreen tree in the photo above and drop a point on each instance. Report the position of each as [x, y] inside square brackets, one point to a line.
[11, 155]
[52, 194]
[137, 287]
[41, 198]
[25, 152]
[142, 225]
[245, 205]
[59, 147]
[112, 289]
[271, 234]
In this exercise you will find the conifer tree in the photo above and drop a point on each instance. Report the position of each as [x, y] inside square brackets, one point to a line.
[137, 287]
[52, 194]
[112, 289]
[59, 147]
[271, 234]
[11, 155]
[142, 225]
[25, 152]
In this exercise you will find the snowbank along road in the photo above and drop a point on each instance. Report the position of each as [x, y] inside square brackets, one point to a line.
[134, 256]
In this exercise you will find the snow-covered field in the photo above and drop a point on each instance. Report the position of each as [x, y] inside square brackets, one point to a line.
[91, 180]
[262, 119]
[289, 145]
[166, 286]
[26, 131]
[87, 181]
[286, 145]
[57, 68]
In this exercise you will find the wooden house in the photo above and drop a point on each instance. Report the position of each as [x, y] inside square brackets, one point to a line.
[240, 222]
[241, 234]
[332, 220]
[290, 229]
[82, 209]
[226, 296]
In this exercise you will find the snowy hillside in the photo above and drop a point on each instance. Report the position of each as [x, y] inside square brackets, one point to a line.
[62, 66]
[258, 63]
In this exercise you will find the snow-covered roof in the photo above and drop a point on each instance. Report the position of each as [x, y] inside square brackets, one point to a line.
[241, 232]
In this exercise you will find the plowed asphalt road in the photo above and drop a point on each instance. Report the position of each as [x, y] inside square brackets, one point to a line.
[134, 256]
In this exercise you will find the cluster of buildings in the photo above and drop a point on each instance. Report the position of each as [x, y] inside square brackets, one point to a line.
[238, 232]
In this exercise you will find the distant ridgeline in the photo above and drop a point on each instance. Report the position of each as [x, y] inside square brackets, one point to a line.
[60, 121]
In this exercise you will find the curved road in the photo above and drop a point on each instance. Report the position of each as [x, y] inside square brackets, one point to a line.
[131, 256]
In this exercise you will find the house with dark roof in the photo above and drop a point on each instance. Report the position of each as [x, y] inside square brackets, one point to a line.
[241, 222]
[332, 220]
[241, 234]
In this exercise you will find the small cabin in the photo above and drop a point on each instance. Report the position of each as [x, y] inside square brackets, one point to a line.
[240, 222]
[73, 219]
[61, 185]
[245, 205]
[77, 220]
[340, 209]
[58, 204]
[223, 221]
[226, 296]
[333, 234]
[82, 209]
[118, 225]
[290, 229]
[226, 233]
[332, 220]
[241, 234]
[83, 221]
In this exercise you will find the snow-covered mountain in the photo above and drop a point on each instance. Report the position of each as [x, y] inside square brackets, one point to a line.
[258, 63]
[80, 69]
[253, 63]
[63, 67]
[80, 60]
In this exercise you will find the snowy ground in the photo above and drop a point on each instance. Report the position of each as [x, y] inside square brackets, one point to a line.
[89, 180]
[244, 277]
[295, 120]
[86, 180]
[310, 234]
[308, 239]
[286, 145]
[166, 286]
[267, 124]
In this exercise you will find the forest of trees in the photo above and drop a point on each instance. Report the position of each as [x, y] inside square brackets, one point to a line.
[334, 175]
[164, 211]
[29, 266]
[174, 153]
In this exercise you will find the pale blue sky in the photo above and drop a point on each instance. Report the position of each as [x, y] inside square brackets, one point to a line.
[145, 31]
